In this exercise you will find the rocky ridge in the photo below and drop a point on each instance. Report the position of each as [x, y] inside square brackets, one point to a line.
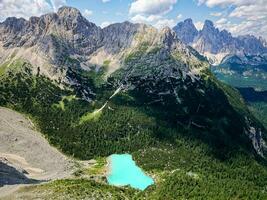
[216, 44]
[56, 42]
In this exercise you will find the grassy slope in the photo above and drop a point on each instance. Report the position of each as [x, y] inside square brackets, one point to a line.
[169, 153]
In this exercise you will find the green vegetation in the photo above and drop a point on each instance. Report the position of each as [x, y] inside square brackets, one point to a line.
[255, 79]
[252, 87]
[155, 49]
[10, 66]
[141, 50]
[75, 190]
[187, 171]
[106, 63]
[25, 92]
[91, 116]
[194, 150]
[3, 68]
[96, 170]
[61, 103]
[232, 94]
[97, 75]
[99, 167]
[259, 109]
[182, 170]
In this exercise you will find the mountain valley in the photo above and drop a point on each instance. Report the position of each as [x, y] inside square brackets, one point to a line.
[130, 88]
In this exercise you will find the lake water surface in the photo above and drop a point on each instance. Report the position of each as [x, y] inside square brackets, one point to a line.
[124, 171]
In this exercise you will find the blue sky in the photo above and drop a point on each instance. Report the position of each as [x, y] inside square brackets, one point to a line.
[118, 11]
[237, 16]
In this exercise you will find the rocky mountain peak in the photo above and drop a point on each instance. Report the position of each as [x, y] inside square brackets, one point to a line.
[68, 24]
[209, 29]
[263, 41]
[66, 11]
[168, 36]
[186, 31]
[208, 24]
[216, 44]
[166, 30]
[188, 21]
[13, 23]
[124, 26]
[226, 34]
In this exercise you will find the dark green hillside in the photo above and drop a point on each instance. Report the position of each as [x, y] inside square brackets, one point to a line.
[85, 133]
[250, 71]
[257, 102]
[251, 82]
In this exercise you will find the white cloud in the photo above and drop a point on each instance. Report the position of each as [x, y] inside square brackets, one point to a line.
[250, 11]
[23, 8]
[252, 15]
[27, 8]
[105, 24]
[151, 7]
[257, 28]
[199, 25]
[105, 1]
[143, 19]
[156, 20]
[87, 13]
[221, 21]
[164, 22]
[179, 16]
[212, 3]
[57, 4]
[216, 14]
[152, 12]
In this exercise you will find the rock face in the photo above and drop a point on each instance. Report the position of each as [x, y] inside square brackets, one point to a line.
[186, 31]
[66, 39]
[256, 61]
[216, 44]
[67, 24]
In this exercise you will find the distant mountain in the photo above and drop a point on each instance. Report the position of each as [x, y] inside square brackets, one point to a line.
[186, 31]
[216, 44]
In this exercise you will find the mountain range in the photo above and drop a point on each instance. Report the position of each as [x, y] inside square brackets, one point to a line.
[93, 92]
[217, 44]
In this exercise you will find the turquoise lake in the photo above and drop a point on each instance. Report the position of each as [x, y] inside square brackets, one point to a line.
[124, 171]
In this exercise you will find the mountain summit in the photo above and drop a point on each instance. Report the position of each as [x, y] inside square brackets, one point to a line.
[186, 31]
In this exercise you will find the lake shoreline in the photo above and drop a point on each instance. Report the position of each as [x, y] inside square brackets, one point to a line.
[108, 167]
[122, 170]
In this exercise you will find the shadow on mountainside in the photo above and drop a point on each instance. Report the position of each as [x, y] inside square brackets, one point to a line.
[10, 175]
[251, 95]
